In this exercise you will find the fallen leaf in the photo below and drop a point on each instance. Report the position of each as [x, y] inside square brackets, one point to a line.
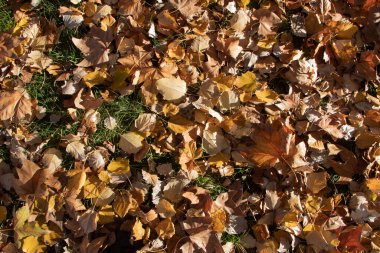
[247, 82]
[316, 181]
[171, 88]
[131, 142]
[165, 229]
[88, 221]
[16, 106]
[138, 231]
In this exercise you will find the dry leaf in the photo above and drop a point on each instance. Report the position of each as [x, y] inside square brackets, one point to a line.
[316, 181]
[16, 106]
[247, 82]
[171, 88]
[131, 142]
[88, 221]
[76, 149]
[138, 231]
[165, 229]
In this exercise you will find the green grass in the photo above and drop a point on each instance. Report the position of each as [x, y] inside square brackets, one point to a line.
[5, 154]
[235, 240]
[230, 238]
[65, 52]
[44, 88]
[49, 9]
[212, 184]
[7, 21]
[336, 188]
[125, 110]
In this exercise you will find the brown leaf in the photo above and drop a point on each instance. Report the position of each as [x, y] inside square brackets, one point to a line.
[88, 220]
[95, 47]
[187, 8]
[274, 143]
[16, 106]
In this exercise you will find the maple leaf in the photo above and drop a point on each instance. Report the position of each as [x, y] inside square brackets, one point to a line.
[187, 8]
[7, 42]
[247, 82]
[273, 144]
[31, 179]
[16, 106]
[268, 22]
[350, 239]
[130, 7]
[204, 241]
[95, 47]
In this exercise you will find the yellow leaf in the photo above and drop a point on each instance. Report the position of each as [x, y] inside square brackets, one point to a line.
[54, 235]
[30, 229]
[290, 220]
[179, 124]
[118, 78]
[3, 213]
[313, 204]
[267, 43]
[104, 176]
[346, 30]
[123, 203]
[23, 22]
[76, 181]
[219, 219]
[373, 185]
[93, 187]
[21, 217]
[266, 95]
[247, 82]
[31, 245]
[138, 231]
[219, 159]
[95, 78]
[245, 2]
[119, 166]
[224, 82]
[106, 215]
[165, 229]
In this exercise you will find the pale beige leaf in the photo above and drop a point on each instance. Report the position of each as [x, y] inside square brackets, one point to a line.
[171, 88]
[131, 142]
[76, 149]
[52, 158]
[110, 123]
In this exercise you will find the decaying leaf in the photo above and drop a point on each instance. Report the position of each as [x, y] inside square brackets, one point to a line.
[191, 126]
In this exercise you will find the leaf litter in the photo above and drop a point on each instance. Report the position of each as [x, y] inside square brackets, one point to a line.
[189, 126]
